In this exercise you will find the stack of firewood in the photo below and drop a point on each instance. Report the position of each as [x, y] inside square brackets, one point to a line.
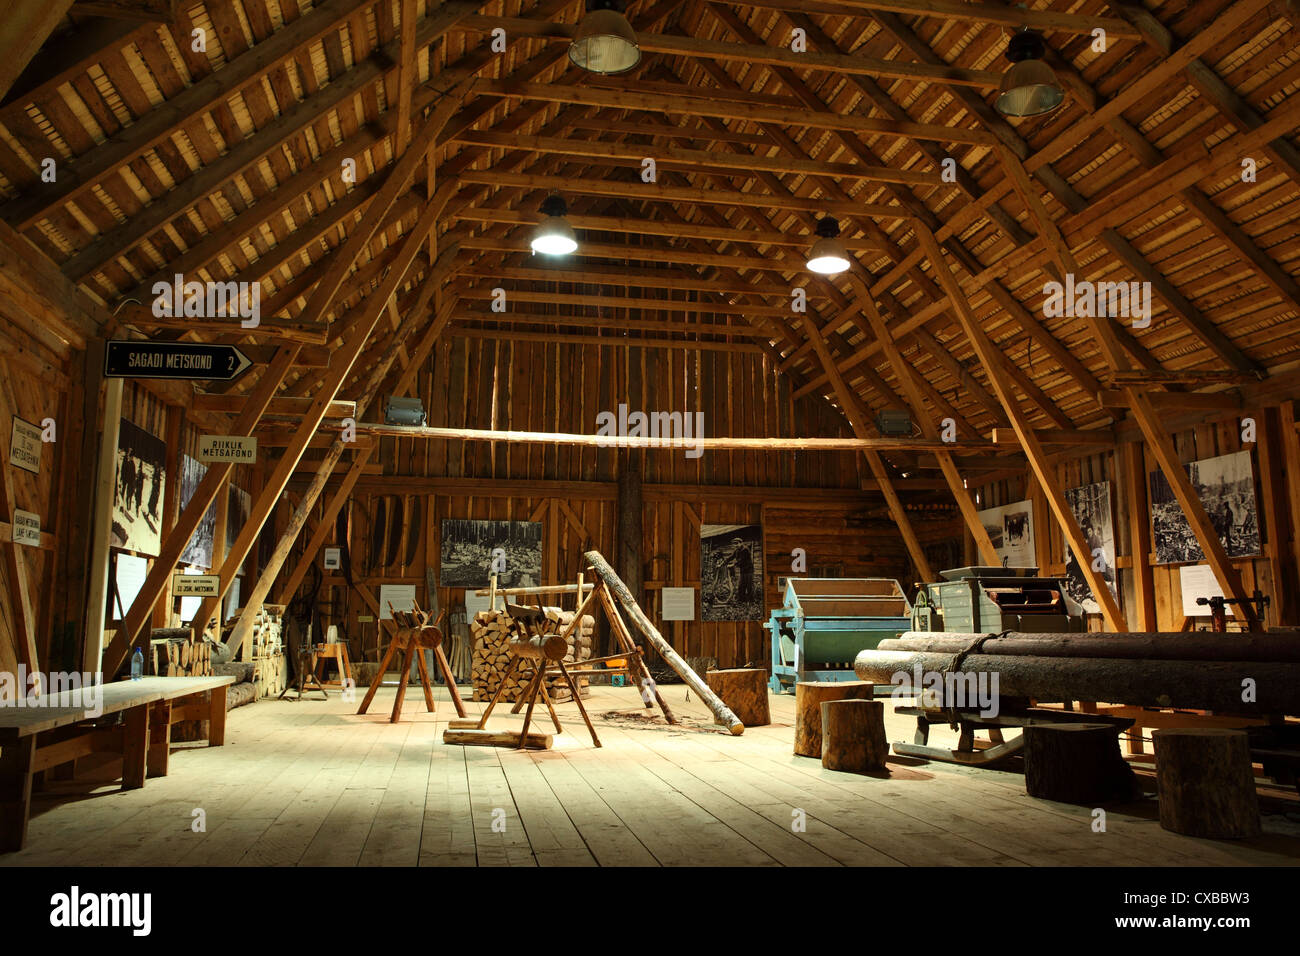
[173, 652]
[492, 630]
[264, 648]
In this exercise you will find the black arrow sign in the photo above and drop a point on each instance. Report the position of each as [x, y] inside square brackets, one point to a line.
[184, 360]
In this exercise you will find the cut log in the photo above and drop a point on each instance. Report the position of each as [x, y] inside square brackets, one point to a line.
[808, 699]
[1206, 784]
[549, 647]
[1077, 763]
[495, 738]
[744, 690]
[1205, 685]
[853, 735]
[721, 712]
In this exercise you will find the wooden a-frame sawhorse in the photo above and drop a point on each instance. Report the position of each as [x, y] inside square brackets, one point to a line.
[414, 636]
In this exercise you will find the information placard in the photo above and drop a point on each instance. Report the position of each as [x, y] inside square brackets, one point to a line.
[678, 604]
[27, 528]
[241, 449]
[25, 446]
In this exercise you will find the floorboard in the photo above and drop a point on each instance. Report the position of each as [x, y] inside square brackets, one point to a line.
[310, 783]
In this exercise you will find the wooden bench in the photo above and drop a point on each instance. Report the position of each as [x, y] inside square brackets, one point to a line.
[56, 733]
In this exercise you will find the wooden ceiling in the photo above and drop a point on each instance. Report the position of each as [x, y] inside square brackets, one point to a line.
[228, 164]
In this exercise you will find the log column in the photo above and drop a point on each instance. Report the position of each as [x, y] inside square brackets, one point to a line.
[1077, 763]
[808, 699]
[1207, 786]
[853, 735]
[744, 690]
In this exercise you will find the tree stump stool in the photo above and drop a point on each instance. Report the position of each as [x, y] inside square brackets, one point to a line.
[1206, 783]
[853, 735]
[1077, 763]
[808, 699]
[744, 690]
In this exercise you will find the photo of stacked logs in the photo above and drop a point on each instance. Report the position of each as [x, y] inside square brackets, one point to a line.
[492, 630]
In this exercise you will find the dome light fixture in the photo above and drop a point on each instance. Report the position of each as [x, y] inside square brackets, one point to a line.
[553, 235]
[827, 256]
[605, 42]
[1029, 87]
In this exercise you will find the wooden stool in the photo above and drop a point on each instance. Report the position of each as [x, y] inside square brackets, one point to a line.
[808, 699]
[339, 654]
[1206, 783]
[414, 636]
[853, 735]
[1077, 763]
[744, 690]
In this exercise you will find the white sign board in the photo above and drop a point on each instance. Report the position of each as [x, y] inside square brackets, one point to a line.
[1198, 581]
[25, 446]
[400, 596]
[131, 572]
[678, 604]
[27, 528]
[333, 559]
[195, 585]
[240, 449]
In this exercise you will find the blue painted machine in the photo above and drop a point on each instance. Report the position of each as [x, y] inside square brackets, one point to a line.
[824, 622]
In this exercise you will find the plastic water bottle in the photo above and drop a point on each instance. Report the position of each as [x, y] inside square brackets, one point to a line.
[137, 664]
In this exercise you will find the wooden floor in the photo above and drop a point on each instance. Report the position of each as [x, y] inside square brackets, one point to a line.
[311, 783]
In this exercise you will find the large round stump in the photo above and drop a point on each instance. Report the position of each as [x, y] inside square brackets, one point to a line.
[853, 735]
[1206, 784]
[808, 699]
[744, 690]
[1077, 763]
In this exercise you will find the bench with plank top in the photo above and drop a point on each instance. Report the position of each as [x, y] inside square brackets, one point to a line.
[54, 733]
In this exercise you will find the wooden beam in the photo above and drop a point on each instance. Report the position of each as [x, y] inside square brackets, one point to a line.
[297, 520]
[773, 55]
[763, 111]
[357, 333]
[1046, 21]
[654, 192]
[903, 372]
[158, 580]
[1132, 467]
[874, 461]
[23, 28]
[668, 157]
[80, 175]
[1144, 411]
[1042, 469]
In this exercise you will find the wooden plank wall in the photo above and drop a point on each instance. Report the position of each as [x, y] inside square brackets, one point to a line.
[477, 383]
[1273, 571]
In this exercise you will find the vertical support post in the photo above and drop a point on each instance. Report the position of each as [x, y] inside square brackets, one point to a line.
[102, 528]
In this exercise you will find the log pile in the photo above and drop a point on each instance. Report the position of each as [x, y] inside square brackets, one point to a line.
[493, 630]
[173, 652]
[264, 649]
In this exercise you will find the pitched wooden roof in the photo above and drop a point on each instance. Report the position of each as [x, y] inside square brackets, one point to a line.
[228, 163]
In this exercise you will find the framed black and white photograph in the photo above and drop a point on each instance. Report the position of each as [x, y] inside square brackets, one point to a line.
[1011, 529]
[1091, 507]
[198, 552]
[1226, 487]
[469, 547]
[731, 572]
[138, 493]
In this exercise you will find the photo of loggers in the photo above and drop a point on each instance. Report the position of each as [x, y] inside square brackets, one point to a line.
[138, 492]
